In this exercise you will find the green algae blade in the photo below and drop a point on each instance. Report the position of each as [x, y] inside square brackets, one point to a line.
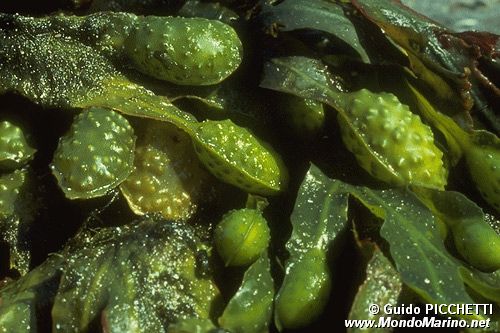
[419, 254]
[326, 17]
[250, 309]
[120, 94]
[381, 286]
[415, 245]
[304, 77]
[84, 165]
[316, 224]
[318, 219]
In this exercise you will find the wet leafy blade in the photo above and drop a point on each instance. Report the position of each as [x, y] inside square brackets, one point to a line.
[318, 219]
[381, 286]
[250, 309]
[157, 284]
[319, 215]
[318, 15]
[420, 256]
